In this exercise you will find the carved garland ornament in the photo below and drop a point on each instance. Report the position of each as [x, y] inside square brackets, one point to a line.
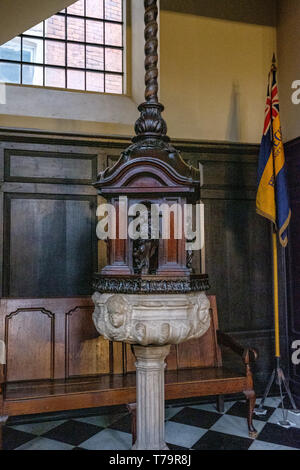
[145, 286]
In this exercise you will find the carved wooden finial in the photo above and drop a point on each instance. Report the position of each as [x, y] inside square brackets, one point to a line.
[150, 123]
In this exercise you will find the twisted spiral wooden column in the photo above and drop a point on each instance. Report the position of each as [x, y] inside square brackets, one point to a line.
[151, 47]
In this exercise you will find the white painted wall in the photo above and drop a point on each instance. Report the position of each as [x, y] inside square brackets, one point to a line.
[214, 76]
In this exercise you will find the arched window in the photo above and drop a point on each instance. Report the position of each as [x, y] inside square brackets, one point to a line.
[79, 48]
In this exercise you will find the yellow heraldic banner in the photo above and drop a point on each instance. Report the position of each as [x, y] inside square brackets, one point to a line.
[272, 199]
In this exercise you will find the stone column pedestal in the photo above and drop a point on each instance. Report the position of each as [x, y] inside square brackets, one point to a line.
[150, 391]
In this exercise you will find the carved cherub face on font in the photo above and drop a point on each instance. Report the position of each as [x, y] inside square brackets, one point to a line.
[140, 329]
[117, 308]
[164, 333]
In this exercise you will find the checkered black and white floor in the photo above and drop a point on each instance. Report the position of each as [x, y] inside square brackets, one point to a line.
[198, 427]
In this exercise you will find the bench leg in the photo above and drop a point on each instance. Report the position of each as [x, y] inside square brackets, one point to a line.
[251, 398]
[132, 410]
[220, 403]
[3, 420]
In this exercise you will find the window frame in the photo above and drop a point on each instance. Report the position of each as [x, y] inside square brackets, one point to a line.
[102, 46]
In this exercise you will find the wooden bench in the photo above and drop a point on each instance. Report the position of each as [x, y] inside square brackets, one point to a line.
[55, 360]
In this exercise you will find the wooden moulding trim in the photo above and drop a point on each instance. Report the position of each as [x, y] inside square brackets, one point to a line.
[69, 401]
[120, 396]
[194, 389]
[118, 141]
[152, 166]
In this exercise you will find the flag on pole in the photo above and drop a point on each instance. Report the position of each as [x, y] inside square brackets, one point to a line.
[272, 199]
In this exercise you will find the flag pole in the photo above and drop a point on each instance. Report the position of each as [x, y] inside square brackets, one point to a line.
[275, 257]
[277, 375]
[276, 294]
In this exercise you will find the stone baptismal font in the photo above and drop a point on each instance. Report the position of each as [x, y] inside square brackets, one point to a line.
[148, 295]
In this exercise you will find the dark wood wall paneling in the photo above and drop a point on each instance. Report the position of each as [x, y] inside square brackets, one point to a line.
[49, 242]
[49, 245]
[292, 150]
[51, 339]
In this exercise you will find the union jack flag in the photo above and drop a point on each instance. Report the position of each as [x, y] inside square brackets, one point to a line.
[272, 102]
